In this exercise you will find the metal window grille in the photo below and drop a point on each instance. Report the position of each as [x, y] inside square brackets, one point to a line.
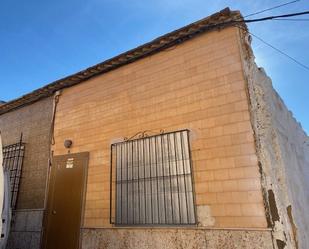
[153, 179]
[12, 161]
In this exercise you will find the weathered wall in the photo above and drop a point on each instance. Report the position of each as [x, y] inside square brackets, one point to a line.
[197, 85]
[26, 229]
[34, 121]
[175, 239]
[283, 152]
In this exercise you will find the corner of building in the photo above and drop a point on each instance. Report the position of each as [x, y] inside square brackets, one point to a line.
[283, 152]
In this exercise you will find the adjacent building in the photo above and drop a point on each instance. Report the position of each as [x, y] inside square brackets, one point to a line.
[26, 138]
[179, 143]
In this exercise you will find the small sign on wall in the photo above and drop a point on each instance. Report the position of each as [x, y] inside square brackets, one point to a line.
[70, 163]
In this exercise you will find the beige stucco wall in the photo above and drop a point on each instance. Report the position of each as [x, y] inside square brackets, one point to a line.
[197, 85]
[283, 153]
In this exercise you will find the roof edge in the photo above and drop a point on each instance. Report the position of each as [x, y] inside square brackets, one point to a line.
[215, 21]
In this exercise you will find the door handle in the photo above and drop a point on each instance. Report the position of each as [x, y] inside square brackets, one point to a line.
[54, 212]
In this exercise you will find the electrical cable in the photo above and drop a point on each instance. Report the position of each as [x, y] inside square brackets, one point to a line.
[271, 8]
[273, 17]
[277, 17]
[273, 47]
[235, 22]
[291, 19]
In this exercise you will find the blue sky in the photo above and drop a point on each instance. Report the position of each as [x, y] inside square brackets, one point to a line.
[42, 41]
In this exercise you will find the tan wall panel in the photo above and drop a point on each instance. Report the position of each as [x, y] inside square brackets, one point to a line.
[197, 85]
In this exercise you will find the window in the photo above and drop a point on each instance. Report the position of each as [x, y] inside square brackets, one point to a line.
[153, 181]
[13, 156]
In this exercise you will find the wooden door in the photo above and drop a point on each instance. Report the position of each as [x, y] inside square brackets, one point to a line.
[65, 201]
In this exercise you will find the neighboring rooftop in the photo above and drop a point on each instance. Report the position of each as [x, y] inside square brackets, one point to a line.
[218, 20]
[2, 102]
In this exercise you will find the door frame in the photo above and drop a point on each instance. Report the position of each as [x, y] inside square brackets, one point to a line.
[83, 198]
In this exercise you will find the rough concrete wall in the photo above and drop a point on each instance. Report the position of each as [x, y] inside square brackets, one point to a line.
[175, 239]
[283, 152]
[26, 230]
[34, 121]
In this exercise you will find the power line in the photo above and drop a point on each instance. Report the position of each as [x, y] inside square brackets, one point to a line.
[277, 17]
[277, 49]
[274, 17]
[291, 19]
[271, 8]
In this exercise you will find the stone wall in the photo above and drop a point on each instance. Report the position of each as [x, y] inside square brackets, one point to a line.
[175, 239]
[34, 121]
[283, 152]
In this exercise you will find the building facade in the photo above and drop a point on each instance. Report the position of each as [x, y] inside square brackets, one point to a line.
[179, 143]
[32, 125]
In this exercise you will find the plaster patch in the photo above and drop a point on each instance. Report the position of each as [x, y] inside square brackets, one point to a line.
[204, 216]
